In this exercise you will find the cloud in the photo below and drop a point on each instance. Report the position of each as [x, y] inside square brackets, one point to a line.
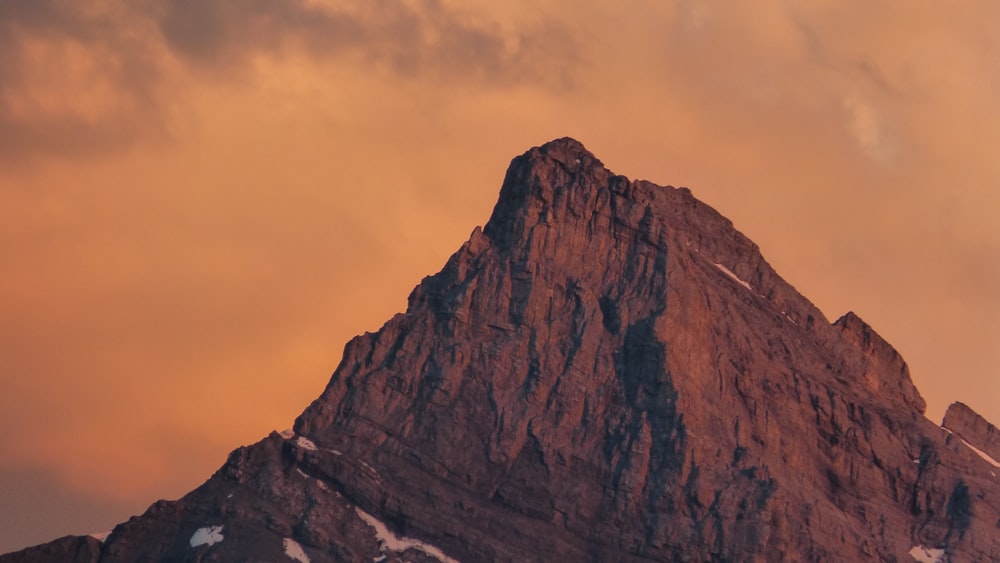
[79, 79]
[75, 79]
[425, 38]
[868, 129]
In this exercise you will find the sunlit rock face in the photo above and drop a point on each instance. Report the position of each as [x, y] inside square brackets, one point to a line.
[974, 429]
[607, 371]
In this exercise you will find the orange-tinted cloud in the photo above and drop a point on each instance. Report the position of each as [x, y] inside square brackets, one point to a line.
[86, 79]
[427, 38]
[73, 80]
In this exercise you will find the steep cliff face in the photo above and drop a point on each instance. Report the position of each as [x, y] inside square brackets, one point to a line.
[608, 370]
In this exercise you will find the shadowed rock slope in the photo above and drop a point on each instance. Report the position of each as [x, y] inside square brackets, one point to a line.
[608, 371]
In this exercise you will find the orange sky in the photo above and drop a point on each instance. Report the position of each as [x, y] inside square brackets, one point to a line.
[202, 201]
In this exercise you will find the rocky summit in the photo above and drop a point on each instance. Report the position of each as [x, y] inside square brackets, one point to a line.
[607, 371]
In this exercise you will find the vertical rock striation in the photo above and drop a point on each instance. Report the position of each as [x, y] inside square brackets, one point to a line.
[608, 370]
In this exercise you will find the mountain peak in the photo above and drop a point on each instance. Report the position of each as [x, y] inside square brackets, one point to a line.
[608, 370]
[567, 150]
[543, 177]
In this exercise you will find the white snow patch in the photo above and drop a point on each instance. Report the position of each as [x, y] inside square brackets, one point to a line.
[101, 537]
[982, 454]
[927, 554]
[207, 536]
[392, 542]
[302, 473]
[294, 551]
[730, 273]
[305, 443]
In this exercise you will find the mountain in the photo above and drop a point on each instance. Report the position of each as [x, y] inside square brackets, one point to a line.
[607, 371]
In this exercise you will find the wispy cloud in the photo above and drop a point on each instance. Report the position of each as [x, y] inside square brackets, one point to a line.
[75, 79]
[868, 129]
[86, 78]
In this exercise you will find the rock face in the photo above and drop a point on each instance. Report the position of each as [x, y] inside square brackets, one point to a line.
[974, 429]
[608, 371]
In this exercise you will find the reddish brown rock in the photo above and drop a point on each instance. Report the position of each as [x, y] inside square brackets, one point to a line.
[607, 371]
[882, 369]
[973, 428]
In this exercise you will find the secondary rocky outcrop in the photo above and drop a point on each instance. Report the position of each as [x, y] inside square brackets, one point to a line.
[974, 429]
[607, 371]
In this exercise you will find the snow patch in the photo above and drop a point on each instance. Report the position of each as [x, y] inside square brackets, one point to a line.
[391, 542]
[730, 273]
[927, 554]
[207, 536]
[294, 551]
[302, 473]
[101, 537]
[305, 443]
[982, 454]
